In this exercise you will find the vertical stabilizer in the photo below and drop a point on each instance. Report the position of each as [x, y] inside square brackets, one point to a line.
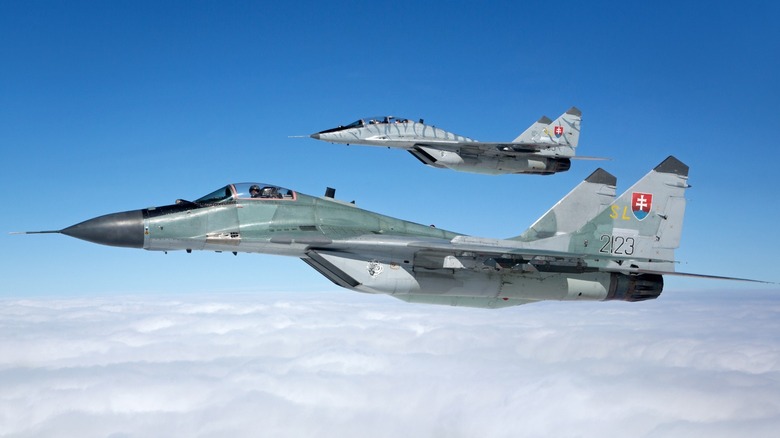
[645, 222]
[534, 132]
[583, 203]
[563, 131]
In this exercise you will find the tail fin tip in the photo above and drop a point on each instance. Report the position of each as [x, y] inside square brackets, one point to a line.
[601, 176]
[672, 165]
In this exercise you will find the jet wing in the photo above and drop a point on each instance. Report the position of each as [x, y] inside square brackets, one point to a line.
[490, 148]
[464, 252]
[500, 254]
[555, 139]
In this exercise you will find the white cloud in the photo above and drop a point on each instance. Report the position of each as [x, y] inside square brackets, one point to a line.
[351, 365]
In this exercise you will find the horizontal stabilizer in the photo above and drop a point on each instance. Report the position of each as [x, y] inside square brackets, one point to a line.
[687, 274]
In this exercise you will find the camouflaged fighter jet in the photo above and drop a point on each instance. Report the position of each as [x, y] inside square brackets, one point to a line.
[546, 147]
[589, 246]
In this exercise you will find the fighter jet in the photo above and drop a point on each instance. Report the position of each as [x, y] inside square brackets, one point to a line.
[588, 246]
[546, 147]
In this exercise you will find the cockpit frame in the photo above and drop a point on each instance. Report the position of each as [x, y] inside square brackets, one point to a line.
[368, 121]
[246, 191]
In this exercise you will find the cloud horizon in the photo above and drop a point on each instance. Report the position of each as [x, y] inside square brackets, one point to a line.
[345, 364]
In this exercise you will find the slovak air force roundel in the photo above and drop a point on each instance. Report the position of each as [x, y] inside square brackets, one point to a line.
[558, 131]
[641, 203]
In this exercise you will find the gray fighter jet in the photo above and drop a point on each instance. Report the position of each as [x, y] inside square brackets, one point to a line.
[589, 246]
[546, 147]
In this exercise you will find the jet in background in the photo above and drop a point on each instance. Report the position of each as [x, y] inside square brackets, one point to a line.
[546, 147]
[588, 246]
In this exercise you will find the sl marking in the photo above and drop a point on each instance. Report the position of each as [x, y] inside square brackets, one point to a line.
[616, 214]
[619, 245]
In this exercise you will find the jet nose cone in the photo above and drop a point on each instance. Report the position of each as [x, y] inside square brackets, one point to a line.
[124, 229]
[315, 136]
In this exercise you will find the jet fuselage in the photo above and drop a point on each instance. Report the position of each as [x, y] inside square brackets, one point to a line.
[358, 249]
[544, 148]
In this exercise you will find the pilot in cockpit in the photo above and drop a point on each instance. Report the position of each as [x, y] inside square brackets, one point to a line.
[270, 192]
[267, 192]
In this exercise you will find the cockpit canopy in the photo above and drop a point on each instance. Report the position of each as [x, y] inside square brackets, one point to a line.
[378, 120]
[375, 120]
[256, 191]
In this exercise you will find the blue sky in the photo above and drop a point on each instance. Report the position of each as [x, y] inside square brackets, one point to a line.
[112, 106]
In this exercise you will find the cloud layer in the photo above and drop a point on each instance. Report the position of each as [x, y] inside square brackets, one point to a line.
[350, 365]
